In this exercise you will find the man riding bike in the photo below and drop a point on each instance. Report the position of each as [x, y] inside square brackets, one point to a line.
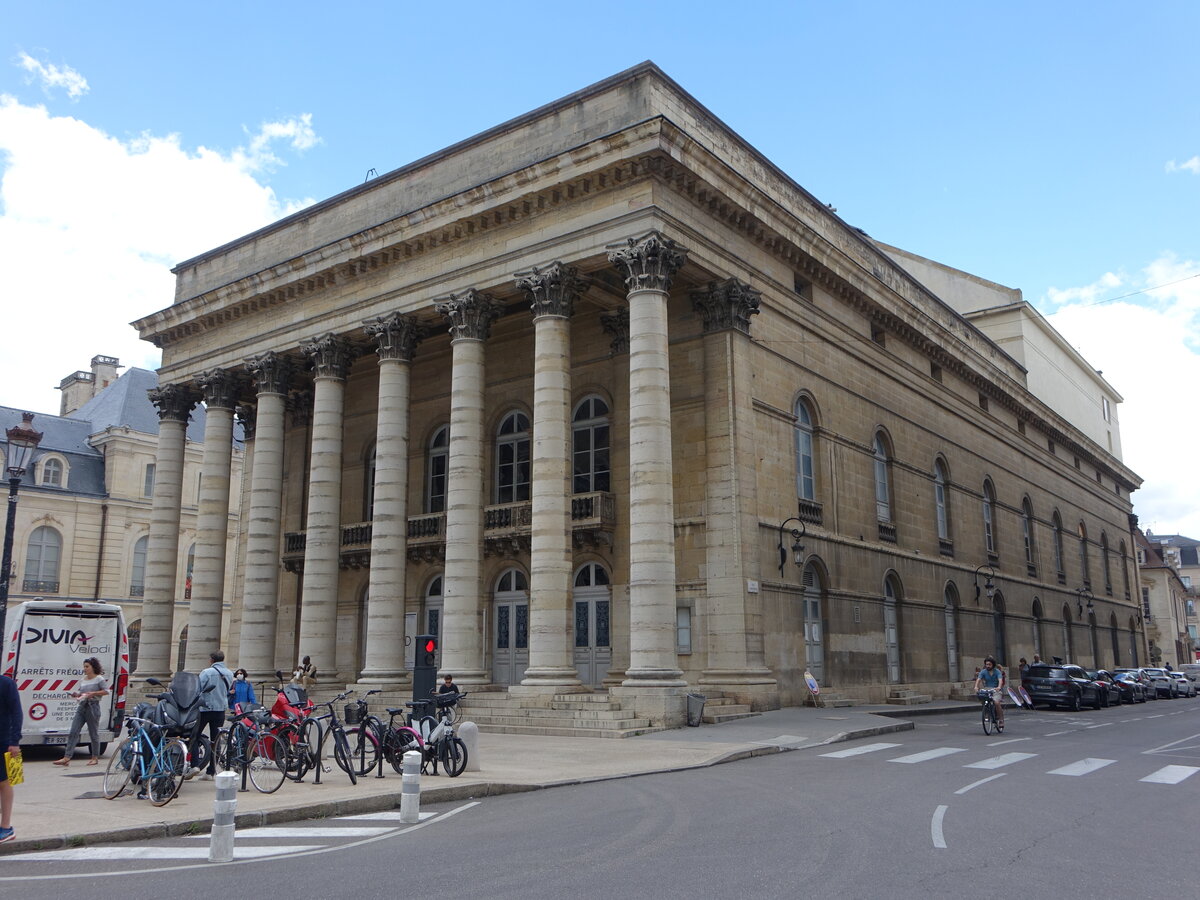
[991, 678]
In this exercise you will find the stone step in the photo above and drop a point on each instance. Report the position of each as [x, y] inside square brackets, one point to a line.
[584, 707]
[553, 731]
[908, 698]
[726, 717]
[590, 697]
[579, 725]
[839, 702]
[544, 712]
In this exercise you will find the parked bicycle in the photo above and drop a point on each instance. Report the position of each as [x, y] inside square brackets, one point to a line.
[149, 758]
[990, 719]
[251, 748]
[441, 744]
[342, 754]
[370, 739]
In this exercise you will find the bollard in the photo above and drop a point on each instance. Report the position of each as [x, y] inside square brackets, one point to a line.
[410, 790]
[220, 842]
[469, 733]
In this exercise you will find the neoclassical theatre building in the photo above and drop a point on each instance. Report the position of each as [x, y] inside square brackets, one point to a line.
[608, 402]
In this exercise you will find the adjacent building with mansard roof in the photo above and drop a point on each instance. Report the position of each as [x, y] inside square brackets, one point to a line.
[610, 402]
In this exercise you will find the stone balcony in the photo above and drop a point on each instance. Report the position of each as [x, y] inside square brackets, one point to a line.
[507, 530]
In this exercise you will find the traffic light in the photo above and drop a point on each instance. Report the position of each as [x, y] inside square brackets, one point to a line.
[428, 646]
[425, 666]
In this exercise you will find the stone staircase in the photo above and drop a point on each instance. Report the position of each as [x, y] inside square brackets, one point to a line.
[835, 700]
[907, 698]
[718, 708]
[578, 714]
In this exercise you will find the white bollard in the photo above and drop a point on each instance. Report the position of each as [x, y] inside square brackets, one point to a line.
[220, 842]
[469, 732]
[410, 789]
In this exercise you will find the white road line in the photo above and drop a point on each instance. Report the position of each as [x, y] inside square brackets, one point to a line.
[1174, 744]
[975, 784]
[858, 751]
[1056, 733]
[996, 762]
[392, 816]
[77, 854]
[1171, 774]
[301, 831]
[1156, 716]
[928, 754]
[1083, 767]
[935, 827]
[1101, 725]
[1009, 741]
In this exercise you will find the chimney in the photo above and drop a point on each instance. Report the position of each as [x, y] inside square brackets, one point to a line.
[80, 387]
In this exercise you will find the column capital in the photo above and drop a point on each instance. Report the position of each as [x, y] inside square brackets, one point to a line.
[648, 262]
[174, 401]
[270, 371]
[552, 291]
[726, 304]
[396, 334]
[617, 324]
[329, 354]
[247, 414]
[220, 387]
[471, 314]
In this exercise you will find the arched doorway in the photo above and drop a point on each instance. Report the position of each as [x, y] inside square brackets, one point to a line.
[1038, 615]
[814, 629]
[1095, 640]
[510, 616]
[427, 621]
[1133, 644]
[1115, 632]
[999, 634]
[183, 634]
[1068, 656]
[950, 597]
[892, 594]
[592, 594]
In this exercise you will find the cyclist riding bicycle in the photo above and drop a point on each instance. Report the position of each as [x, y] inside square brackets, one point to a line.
[991, 678]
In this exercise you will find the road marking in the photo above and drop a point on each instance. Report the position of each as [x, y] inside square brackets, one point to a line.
[1171, 774]
[1156, 716]
[975, 784]
[393, 816]
[857, 751]
[1175, 745]
[77, 854]
[300, 831]
[1101, 725]
[935, 827]
[1056, 733]
[1009, 741]
[1083, 767]
[928, 754]
[996, 762]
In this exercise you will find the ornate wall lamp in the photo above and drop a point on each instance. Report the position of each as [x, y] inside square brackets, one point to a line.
[798, 535]
[1082, 594]
[989, 584]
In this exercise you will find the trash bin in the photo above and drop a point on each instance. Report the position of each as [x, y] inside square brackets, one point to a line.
[695, 709]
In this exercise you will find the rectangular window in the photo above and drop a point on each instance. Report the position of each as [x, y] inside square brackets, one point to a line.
[802, 286]
[148, 483]
[1106, 407]
[683, 629]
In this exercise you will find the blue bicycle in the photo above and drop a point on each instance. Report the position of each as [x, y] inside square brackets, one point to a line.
[148, 758]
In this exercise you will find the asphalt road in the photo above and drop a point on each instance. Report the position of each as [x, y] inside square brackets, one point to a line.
[1064, 805]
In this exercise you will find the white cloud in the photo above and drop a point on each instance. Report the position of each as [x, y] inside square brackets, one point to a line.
[51, 76]
[1192, 165]
[90, 226]
[1148, 348]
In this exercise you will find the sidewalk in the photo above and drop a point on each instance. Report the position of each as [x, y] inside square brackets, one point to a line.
[58, 807]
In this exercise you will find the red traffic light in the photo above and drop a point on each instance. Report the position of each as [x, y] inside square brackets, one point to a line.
[430, 645]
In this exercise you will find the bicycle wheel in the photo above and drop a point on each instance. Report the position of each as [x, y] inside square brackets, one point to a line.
[202, 753]
[116, 776]
[364, 748]
[267, 761]
[221, 750]
[454, 756]
[342, 756]
[167, 773]
[987, 719]
[298, 760]
[398, 742]
[999, 726]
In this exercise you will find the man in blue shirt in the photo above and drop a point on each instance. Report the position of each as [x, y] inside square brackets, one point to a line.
[10, 741]
[991, 678]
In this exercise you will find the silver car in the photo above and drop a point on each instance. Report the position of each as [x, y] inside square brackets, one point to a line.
[1164, 684]
[1185, 685]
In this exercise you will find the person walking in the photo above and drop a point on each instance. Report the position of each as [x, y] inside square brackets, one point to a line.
[213, 704]
[242, 691]
[10, 741]
[88, 692]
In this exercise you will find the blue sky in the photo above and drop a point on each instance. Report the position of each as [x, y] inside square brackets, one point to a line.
[1053, 147]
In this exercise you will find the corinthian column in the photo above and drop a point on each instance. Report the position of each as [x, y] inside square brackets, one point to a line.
[552, 293]
[397, 337]
[330, 357]
[271, 373]
[212, 518]
[174, 403]
[648, 264]
[470, 315]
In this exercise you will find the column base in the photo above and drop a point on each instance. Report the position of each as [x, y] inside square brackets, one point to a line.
[756, 688]
[648, 676]
[664, 705]
[465, 677]
[552, 676]
[386, 678]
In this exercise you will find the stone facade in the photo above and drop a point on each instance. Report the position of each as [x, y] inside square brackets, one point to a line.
[642, 349]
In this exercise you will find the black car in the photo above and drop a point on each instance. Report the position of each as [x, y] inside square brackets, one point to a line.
[1110, 694]
[1067, 686]
[1131, 689]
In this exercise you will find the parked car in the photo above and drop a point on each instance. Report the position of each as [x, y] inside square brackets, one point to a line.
[1192, 671]
[1130, 687]
[1144, 680]
[1164, 684]
[1066, 685]
[1184, 684]
[1109, 693]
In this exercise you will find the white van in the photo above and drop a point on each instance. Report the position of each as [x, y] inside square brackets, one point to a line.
[46, 642]
[1191, 670]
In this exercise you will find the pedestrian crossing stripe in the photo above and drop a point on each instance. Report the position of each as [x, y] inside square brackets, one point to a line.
[928, 754]
[997, 762]
[1171, 774]
[1083, 767]
[304, 832]
[83, 854]
[858, 751]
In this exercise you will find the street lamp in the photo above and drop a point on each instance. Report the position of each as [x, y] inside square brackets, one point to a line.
[989, 585]
[22, 441]
[1081, 594]
[797, 545]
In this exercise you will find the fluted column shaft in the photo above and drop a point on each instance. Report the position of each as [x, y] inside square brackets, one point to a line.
[260, 595]
[397, 337]
[648, 264]
[318, 611]
[470, 315]
[174, 404]
[552, 295]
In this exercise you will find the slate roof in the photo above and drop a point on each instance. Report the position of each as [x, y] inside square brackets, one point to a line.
[124, 402]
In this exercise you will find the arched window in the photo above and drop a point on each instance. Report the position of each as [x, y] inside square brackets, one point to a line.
[1104, 561]
[1124, 570]
[1037, 626]
[590, 438]
[989, 518]
[42, 560]
[883, 489]
[806, 485]
[512, 459]
[941, 499]
[137, 581]
[52, 472]
[1067, 653]
[950, 599]
[1115, 636]
[369, 486]
[1059, 563]
[437, 463]
[1027, 536]
[1085, 569]
[999, 631]
[191, 567]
